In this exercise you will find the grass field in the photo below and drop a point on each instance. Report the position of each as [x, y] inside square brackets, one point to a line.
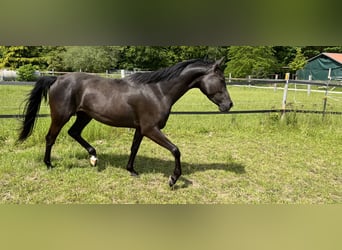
[254, 158]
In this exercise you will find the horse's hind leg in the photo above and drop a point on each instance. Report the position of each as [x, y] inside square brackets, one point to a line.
[55, 128]
[134, 150]
[75, 131]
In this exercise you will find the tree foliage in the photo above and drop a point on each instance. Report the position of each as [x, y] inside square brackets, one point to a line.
[89, 58]
[284, 54]
[13, 57]
[335, 49]
[299, 61]
[26, 73]
[155, 57]
[257, 61]
[144, 57]
[54, 58]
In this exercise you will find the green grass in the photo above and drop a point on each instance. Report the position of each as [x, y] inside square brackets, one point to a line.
[226, 158]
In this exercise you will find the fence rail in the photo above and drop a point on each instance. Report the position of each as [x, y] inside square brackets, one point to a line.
[249, 81]
[232, 112]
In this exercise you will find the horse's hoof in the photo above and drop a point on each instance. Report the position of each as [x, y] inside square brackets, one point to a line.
[49, 165]
[134, 174]
[93, 160]
[172, 181]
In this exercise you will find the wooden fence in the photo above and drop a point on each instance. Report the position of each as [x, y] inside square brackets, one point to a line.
[285, 82]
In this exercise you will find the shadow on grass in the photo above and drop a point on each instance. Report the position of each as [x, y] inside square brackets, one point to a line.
[145, 164]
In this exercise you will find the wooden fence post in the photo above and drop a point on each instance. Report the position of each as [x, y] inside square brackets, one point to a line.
[309, 85]
[286, 88]
[275, 85]
[122, 73]
[325, 99]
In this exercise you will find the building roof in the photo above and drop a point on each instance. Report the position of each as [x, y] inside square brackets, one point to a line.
[337, 57]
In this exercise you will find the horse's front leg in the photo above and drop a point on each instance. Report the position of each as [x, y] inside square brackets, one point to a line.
[157, 136]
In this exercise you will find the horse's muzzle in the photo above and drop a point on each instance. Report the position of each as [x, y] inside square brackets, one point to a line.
[225, 107]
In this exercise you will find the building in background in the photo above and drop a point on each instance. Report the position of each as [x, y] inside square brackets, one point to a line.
[325, 66]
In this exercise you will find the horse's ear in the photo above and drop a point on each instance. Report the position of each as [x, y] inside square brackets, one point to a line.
[218, 64]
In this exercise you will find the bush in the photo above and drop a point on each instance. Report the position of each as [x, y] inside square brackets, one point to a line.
[26, 73]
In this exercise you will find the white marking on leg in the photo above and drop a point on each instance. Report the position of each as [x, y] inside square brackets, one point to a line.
[93, 160]
[171, 183]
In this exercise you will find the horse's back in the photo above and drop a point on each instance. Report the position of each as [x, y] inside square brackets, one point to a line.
[75, 84]
[106, 100]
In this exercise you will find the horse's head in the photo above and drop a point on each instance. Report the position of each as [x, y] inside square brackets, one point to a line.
[213, 85]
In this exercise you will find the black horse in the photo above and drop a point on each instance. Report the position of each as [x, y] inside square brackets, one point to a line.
[141, 101]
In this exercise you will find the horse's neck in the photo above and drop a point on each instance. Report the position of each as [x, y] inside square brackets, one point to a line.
[177, 87]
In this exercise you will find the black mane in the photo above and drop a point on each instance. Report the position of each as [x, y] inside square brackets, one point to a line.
[165, 74]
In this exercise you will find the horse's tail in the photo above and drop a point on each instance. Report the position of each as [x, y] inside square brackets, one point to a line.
[32, 105]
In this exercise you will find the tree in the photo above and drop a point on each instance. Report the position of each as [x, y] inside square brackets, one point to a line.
[155, 57]
[54, 57]
[335, 49]
[205, 52]
[284, 54]
[90, 58]
[257, 61]
[26, 73]
[15, 56]
[312, 51]
[299, 61]
[145, 57]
